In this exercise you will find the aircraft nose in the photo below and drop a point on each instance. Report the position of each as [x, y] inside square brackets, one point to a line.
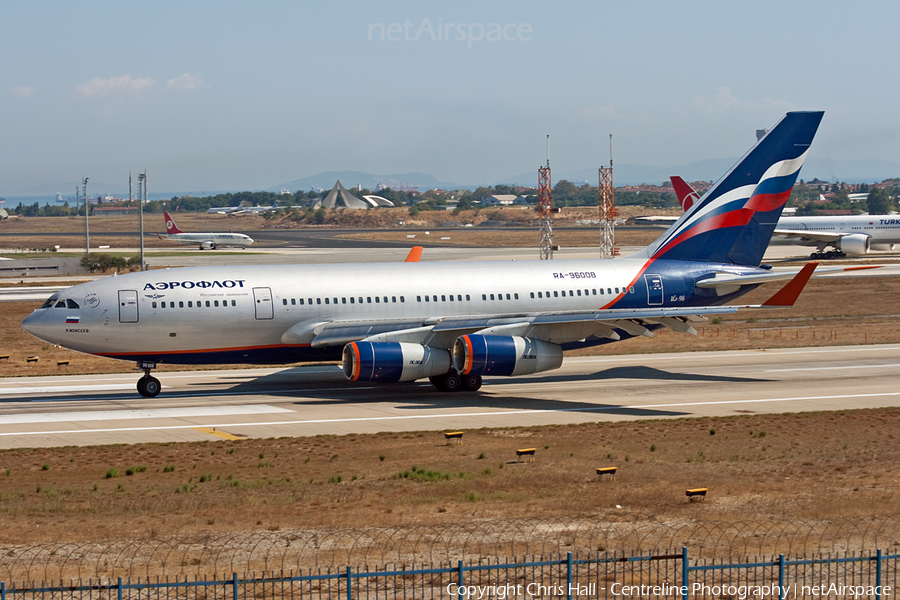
[35, 324]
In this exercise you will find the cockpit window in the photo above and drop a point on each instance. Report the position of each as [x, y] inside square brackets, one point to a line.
[61, 304]
[50, 301]
[71, 303]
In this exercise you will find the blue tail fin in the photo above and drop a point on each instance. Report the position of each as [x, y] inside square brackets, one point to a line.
[734, 221]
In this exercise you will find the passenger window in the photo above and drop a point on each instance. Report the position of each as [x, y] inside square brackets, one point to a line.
[595, 291]
[434, 298]
[385, 299]
[335, 300]
[492, 296]
[326, 300]
[393, 298]
[451, 297]
[609, 290]
[467, 298]
[631, 290]
[352, 299]
[484, 296]
[418, 298]
[532, 294]
[162, 304]
[216, 303]
[190, 304]
[579, 292]
[507, 296]
[153, 304]
[516, 295]
[318, 301]
[293, 301]
[180, 304]
[402, 299]
[443, 297]
[459, 297]
[427, 299]
[617, 290]
[369, 299]
[343, 301]
[571, 294]
[284, 301]
[556, 294]
[376, 300]
[207, 304]
[234, 303]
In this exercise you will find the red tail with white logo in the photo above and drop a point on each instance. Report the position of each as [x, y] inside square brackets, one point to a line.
[170, 225]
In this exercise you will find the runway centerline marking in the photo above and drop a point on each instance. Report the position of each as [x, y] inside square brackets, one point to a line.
[451, 415]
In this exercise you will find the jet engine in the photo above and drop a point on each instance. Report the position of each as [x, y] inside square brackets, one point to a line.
[856, 243]
[208, 245]
[391, 362]
[504, 355]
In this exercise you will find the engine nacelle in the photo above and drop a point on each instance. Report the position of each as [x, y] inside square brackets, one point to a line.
[856, 243]
[504, 355]
[207, 245]
[884, 247]
[391, 362]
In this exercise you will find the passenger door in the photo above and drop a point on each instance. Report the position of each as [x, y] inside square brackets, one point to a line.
[262, 296]
[128, 306]
[654, 289]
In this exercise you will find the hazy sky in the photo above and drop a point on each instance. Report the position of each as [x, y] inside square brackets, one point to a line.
[247, 95]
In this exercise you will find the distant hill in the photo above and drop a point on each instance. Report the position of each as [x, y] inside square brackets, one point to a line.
[350, 179]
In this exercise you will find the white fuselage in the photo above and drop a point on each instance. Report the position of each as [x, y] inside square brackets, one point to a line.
[880, 229]
[211, 240]
[253, 309]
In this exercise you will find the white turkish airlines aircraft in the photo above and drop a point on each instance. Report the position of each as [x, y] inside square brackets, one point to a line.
[206, 241]
[450, 322]
[850, 234]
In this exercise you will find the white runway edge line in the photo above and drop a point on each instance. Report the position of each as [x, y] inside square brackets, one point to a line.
[447, 416]
[149, 413]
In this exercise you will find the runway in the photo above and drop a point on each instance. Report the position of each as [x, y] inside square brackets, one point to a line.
[316, 400]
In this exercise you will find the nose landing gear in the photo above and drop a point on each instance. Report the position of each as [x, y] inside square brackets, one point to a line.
[148, 386]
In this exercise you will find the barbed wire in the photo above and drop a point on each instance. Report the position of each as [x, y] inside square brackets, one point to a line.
[483, 540]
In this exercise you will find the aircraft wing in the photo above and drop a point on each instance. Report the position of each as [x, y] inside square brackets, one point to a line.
[810, 237]
[559, 328]
[723, 280]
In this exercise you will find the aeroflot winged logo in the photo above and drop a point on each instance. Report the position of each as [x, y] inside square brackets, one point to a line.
[189, 285]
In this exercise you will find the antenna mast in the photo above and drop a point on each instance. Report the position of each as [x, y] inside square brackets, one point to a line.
[545, 208]
[607, 210]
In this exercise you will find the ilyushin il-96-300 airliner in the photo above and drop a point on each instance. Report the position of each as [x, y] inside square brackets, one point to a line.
[450, 322]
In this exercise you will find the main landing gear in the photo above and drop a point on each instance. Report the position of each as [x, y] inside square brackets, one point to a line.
[148, 386]
[454, 382]
[830, 254]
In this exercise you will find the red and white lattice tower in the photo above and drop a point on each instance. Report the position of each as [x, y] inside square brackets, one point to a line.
[607, 210]
[545, 208]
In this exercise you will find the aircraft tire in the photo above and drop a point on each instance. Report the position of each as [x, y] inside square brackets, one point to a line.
[471, 383]
[449, 382]
[148, 386]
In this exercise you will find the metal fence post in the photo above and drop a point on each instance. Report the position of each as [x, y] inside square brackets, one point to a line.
[2, 590]
[684, 573]
[459, 569]
[120, 588]
[349, 585]
[878, 574]
[568, 576]
[234, 586]
[781, 571]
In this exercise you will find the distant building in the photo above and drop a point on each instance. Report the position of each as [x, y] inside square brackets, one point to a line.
[339, 197]
[499, 200]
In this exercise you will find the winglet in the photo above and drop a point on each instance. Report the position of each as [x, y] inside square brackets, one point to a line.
[414, 254]
[786, 296]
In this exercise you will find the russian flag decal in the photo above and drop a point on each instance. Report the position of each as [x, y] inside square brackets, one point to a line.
[71, 319]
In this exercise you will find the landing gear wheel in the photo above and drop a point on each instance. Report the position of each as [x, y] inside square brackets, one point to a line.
[471, 383]
[450, 382]
[148, 386]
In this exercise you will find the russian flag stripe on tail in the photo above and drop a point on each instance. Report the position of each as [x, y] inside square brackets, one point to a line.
[734, 220]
